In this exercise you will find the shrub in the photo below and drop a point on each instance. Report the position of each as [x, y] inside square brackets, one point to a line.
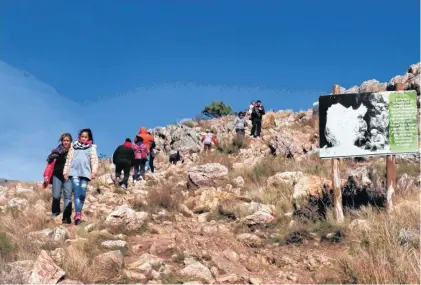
[217, 109]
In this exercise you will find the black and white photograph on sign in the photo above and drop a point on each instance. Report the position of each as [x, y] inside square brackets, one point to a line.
[354, 124]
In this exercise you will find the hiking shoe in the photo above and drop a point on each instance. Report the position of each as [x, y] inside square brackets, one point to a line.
[55, 215]
[78, 218]
[67, 221]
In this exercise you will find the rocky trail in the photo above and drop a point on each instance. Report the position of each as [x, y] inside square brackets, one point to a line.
[255, 211]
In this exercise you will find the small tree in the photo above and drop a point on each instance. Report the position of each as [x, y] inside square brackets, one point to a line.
[217, 109]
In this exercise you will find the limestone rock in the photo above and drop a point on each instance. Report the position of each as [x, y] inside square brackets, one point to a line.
[126, 217]
[210, 174]
[198, 270]
[45, 271]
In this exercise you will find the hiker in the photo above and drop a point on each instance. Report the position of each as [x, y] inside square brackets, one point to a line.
[175, 157]
[239, 124]
[256, 119]
[123, 159]
[152, 154]
[147, 139]
[141, 153]
[54, 175]
[81, 167]
[208, 139]
[250, 110]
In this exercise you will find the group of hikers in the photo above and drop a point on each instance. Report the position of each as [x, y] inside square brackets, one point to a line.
[254, 113]
[72, 165]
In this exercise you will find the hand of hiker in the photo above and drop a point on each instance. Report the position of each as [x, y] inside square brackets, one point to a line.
[93, 176]
[66, 177]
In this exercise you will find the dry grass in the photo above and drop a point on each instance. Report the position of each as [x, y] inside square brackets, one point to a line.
[163, 197]
[410, 168]
[79, 264]
[269, 120]
[388, 253]
[233, 146]
[279, 196]
[15, 225]
[216, 157]
[271, 165]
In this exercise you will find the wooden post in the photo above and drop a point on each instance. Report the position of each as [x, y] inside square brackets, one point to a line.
[391, 170]
[338, 211]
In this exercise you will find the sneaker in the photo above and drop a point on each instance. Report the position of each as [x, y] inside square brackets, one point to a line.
[78, 218]
[55, 215]
[67, 221]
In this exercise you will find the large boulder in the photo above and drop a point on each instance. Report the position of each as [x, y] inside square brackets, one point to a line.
[126, 217]
[207, 175]
[290, 143]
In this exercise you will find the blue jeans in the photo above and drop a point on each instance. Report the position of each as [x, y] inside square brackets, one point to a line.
[79, 186]
[60, 187]
[147, 167]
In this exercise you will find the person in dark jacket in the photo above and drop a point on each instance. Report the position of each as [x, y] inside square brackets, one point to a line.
[256, 119]
[60, 185]
[123, 159]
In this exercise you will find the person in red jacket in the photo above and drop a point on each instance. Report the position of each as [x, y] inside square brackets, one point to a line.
[54, 175]
[147, 138]
[208, 139]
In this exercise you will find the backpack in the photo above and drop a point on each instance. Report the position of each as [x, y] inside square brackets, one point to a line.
[208, 139]
[141, 151]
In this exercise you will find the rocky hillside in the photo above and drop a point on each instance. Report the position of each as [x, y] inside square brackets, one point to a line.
[251, 211]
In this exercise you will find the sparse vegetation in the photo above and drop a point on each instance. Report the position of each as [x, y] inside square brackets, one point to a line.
[371, 246]
[164, 197]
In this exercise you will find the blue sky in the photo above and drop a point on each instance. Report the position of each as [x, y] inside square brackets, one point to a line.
[169, 58]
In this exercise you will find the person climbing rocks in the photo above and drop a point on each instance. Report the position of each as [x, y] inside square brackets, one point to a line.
[208, 139]
[141, 153]
[250, 109]
[81, 167]
[152, 154]
[147, 140]
[123, 159]
[256, 119]
[239, 124]
[54, 175]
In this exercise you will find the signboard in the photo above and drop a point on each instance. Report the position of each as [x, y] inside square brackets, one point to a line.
[380, 123]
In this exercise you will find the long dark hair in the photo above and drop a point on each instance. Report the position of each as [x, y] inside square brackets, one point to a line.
[90, 135]
[65, 135]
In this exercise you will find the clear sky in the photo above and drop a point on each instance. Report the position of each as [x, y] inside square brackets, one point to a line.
[186, 53]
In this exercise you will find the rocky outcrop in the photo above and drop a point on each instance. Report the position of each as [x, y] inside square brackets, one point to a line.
[179, 138]
[290, 143]
[207, 175]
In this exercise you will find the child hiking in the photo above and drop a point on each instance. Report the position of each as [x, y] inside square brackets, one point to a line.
[141, 152]
[81, 166]
[208, 139]
[239, 124]
[54, 175]
[123, 159]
